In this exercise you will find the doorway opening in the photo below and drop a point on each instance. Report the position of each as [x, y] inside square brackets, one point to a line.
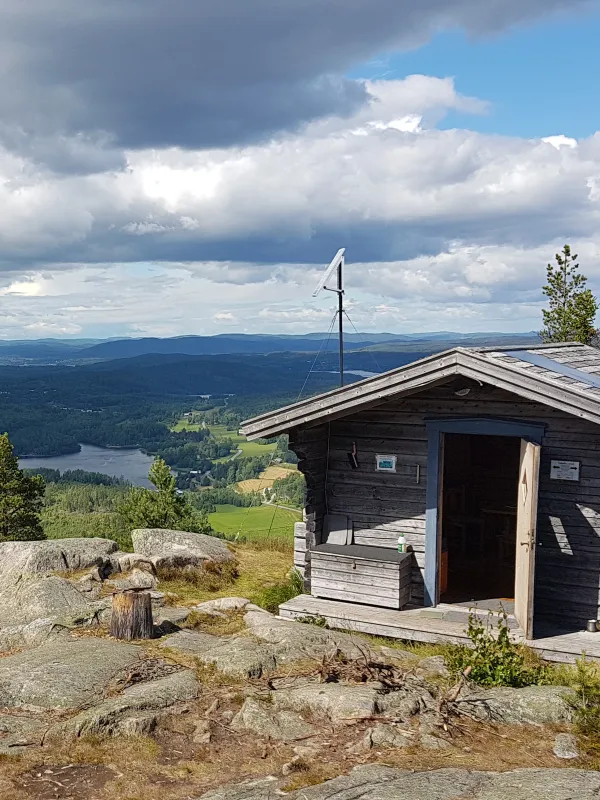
[479, 519]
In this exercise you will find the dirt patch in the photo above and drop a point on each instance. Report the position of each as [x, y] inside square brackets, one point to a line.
[69, 782]
[479, 746]
[197, 749]
[148, 669]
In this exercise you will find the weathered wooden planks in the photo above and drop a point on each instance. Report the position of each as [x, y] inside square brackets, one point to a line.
[375, 581]
[383, 505]
[411, 625]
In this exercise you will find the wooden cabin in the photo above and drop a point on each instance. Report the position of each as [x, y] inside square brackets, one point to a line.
[487, 460]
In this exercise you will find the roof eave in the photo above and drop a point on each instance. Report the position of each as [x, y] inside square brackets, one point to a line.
[539, 389]
[339, 402]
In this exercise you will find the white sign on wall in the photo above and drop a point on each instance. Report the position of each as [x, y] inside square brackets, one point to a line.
[386, 463]
[564, 470]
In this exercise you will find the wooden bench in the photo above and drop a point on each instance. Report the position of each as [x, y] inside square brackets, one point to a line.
[376, 576]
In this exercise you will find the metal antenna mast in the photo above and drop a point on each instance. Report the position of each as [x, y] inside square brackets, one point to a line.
[336, 266]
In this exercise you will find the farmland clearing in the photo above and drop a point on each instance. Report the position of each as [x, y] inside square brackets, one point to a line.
[256, 523]
[221, 432]
[266, 479]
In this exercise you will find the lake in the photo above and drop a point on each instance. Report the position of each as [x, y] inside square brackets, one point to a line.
[133, 465]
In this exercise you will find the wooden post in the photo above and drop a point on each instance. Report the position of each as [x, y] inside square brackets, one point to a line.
[131, 616]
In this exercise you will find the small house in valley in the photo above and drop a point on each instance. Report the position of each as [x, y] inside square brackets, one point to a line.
[469, 479]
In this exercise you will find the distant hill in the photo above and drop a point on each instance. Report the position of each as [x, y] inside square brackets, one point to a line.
[307, 343]
[56, 351]
[217, 345]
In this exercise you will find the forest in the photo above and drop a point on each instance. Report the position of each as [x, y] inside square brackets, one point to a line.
[50, 411]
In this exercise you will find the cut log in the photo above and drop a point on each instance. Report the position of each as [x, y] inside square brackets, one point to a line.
[131, 616]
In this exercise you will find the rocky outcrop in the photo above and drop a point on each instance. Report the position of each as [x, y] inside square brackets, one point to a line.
[337, 702]
[19, 732]
[238, 657]
[30, 593]
[166, 548]
[386, 736]
[21, 559]
[384, 783]
[295, 641]
[532, 705]
[175, 615]
[316, 682]
[261, 718]
[126, 562]
[33, 634]
[133, 713]
[63, 674]
[138, 579]
[47, 597]
[223, 604]
[565, 746]
[281, 642]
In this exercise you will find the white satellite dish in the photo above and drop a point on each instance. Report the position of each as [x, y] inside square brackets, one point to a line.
[330, 271]
[336, 266]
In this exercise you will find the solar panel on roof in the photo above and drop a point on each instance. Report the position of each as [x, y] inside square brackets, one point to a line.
[554, 366]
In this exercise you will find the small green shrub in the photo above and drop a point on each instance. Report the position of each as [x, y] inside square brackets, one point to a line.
[585, 701]
[313, 619]
[495, 658]
[273, 596]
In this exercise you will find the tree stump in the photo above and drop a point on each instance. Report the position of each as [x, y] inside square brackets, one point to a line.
[131, 616]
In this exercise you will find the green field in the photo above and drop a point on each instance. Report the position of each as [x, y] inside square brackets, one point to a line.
[184, 425]
[254, 523]
[220, 432]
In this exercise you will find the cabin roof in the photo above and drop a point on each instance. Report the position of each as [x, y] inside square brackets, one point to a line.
[562, 376]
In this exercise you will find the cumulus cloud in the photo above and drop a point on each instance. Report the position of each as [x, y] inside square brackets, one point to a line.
[390, 193]
[464, 288]
[165, 173]
[147, 73]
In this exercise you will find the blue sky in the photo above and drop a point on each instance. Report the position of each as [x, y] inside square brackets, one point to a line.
[540, 79]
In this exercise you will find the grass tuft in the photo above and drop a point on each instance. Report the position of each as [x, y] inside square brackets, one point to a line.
[213, 576]
[256, 572]
[273, 596]
[224, 624]
[311, 776]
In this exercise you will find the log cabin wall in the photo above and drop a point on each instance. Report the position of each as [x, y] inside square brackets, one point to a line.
[310, 445]
[381, 505]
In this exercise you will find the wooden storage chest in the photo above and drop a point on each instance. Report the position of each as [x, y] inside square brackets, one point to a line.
[377, 576]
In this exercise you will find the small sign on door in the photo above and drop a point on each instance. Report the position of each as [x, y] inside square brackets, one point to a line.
[386, 463]
[564, 470]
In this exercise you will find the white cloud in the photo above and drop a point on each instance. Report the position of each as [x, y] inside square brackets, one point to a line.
[80, 76]
[560, 141]
[444, 228]
[225, 316]
[464, 288]
[399, 189]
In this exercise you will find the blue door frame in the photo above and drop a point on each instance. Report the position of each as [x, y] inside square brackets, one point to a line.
[436, 428]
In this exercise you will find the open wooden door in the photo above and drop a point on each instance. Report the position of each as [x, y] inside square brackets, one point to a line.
[527, 503]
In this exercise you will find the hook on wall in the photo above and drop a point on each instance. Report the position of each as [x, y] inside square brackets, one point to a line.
[352, 458]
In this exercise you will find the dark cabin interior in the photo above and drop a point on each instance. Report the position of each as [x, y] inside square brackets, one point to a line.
[479, 518]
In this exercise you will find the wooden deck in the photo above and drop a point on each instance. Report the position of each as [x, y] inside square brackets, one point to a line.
[442, 624]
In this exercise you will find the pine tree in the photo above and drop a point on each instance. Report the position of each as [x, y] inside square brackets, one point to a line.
[572, 307]
[21, 498]
[163, 508]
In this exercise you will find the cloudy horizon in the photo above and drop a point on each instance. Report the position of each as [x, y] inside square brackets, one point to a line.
[165, 173]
